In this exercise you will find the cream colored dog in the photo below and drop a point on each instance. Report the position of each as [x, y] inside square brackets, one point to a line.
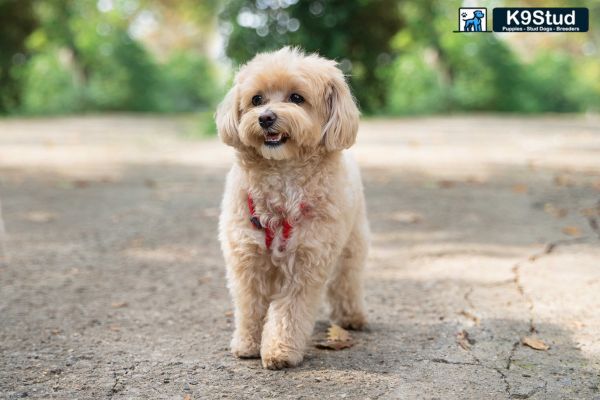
[293, 218]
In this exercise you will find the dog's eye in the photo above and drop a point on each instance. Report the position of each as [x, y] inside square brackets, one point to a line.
[257, 100]
[296, 98]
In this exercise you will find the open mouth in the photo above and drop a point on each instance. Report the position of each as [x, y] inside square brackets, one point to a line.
[273, 139]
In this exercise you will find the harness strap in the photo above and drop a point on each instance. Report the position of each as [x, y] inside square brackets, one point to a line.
[287, 228]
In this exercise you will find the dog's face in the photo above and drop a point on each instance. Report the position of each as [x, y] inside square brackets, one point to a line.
[478, 14]
[285, 103]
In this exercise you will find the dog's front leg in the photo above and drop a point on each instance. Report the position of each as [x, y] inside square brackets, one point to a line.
[249, 283]
[291, 315]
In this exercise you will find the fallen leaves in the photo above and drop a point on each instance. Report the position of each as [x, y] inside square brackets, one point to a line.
[535, 343]
[520, 188]
[446, 184]
[463, 340]
[119, 304]
[571, 231]
[337, 339]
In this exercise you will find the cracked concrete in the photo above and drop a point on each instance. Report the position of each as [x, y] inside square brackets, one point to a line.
[112, 284]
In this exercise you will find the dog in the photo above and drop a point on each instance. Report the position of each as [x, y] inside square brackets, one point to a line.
[293, 222]
[474, 24]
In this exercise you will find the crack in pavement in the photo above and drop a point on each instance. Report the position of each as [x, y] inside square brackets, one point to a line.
[551, 246]
[114, 389]
[516, 280]
[516, 270]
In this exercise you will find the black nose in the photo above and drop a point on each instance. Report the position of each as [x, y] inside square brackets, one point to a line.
[267, 119]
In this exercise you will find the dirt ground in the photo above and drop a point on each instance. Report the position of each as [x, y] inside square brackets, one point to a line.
[485, 234]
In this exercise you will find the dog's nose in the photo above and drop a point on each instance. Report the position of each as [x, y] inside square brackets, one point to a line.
[267, 118]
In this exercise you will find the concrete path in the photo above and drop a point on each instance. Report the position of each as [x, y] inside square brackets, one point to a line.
[485, 234]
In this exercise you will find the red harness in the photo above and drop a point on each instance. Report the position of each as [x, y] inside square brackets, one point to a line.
[269, 234]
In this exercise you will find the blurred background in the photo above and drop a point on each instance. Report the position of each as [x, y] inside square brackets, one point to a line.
[168, 56]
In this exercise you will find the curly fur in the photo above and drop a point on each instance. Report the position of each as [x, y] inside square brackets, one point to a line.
[277, 291]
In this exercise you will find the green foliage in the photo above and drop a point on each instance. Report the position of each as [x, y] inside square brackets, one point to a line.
[17, 21]
[553, 86]
[437, 70]
[415, 87]
[65, 56]
[49, 87]
[81, 59]
[486, 74]
[356, 33]
[189, 83]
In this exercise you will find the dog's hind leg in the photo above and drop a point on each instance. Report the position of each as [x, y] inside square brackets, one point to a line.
[345, 287]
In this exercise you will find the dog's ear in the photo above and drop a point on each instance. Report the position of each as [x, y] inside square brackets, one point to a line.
[340, 129]
[227, 118]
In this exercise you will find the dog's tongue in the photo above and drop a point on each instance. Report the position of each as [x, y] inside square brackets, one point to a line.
[273, 137]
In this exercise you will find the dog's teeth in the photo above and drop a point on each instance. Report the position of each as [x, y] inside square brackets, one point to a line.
[273, 138]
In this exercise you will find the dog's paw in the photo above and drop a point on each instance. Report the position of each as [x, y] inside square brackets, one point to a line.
[280, 361]
[245, 348]
[356, 322]
[279, 356]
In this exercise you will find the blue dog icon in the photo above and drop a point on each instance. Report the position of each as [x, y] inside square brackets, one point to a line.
[474, 24]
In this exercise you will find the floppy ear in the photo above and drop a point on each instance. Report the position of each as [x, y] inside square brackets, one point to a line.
[340, 130]
[227, 118]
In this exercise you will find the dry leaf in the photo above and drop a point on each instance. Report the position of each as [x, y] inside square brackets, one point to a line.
[81, 183]
[40, 216]
[463, 340]
[571, 231]
[115, 328]
[556, 212]
[446, 184]
[337, 339]
[338, 333]
[534, 343]
[519, 188]
[119, 304]
[229, 314]
[470, 316]
[187, 397]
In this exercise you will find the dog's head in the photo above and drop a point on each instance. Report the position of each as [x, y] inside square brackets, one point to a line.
[478, 14]
[286, 103]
